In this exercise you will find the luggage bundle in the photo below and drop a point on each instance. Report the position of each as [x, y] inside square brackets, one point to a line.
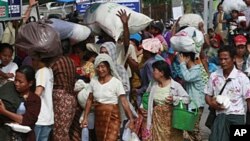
[102, 16]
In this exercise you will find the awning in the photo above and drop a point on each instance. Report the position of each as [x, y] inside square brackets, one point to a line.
[65, 1]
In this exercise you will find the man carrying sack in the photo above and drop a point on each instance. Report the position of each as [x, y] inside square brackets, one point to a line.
[230, 104]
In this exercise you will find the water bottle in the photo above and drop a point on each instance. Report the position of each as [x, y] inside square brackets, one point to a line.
[85, 134]
[180, 105]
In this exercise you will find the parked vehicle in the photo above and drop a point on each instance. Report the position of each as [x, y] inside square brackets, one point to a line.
[55, 8]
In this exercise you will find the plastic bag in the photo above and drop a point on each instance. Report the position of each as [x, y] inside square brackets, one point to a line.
[40, 38]
[82, 88]
[189, 39]
[128, 135]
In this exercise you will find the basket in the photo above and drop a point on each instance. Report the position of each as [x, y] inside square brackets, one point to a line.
[183, 119]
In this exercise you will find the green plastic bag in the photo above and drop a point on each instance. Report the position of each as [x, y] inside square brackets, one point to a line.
[145, 98]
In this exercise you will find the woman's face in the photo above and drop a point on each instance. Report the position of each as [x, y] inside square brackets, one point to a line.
[21, 83]
[104, 50]
[241, 50]
[157, 74]
[6, 56]
[103, 70]
[220, 8]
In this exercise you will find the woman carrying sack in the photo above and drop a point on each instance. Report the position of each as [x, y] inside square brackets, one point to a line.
[191, 74]
[164, 94]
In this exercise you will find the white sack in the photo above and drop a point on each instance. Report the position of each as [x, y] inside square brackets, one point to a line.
[104, 16]
[83, 92]
[229, 5]
[189, 39]
[70, 30]
[190, 20]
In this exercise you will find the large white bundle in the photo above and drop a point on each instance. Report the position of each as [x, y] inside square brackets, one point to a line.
[83, 93]
[190, 20]
[189, 39]
[229, 5]
[104, 16]
[69, 30]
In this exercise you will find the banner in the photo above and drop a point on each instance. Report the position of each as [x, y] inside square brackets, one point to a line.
[82, 5]
[10, 9]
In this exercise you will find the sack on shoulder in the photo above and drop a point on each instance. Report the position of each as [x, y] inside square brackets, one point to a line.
[210, 118]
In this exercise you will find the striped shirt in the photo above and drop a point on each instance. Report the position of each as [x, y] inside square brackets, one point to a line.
[64, 74]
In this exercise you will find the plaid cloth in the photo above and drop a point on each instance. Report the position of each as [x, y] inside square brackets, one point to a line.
[64, 72]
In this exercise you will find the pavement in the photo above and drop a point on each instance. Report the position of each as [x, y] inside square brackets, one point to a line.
[204, 130]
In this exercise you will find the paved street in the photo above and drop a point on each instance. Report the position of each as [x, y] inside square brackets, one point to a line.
[204, 129]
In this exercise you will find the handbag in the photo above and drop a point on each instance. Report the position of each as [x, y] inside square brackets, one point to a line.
[212, 113]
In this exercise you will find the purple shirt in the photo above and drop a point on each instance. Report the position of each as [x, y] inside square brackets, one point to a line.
[146, 73]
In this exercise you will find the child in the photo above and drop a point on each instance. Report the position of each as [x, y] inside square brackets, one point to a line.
[7, 67]
[87, 70]
[216, 42]
[156, 30]
[44, 87]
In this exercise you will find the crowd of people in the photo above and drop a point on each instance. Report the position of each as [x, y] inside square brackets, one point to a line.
[135, 82]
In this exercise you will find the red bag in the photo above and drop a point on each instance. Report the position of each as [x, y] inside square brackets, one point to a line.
[40, 38]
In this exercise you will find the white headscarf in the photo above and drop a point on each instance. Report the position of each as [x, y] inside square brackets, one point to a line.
[105, 57]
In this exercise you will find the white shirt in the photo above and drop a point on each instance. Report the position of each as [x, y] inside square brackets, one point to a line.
[10, 68]
[106, 93]
[122, 58]
[237, 90]
[44, 78]
[247, 15]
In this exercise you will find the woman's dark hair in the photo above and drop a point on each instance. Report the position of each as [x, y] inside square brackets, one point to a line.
[88, 55]
[6, 46]
[219, 5]
[210, 30]
[163, 67]
[47, 61]
[231, 50]
[29, 73]
[189, 54]
[66, 47]
[181, 28]
[136, 42]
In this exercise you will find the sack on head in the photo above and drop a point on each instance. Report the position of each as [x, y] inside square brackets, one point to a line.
[39, 37]
[111, 23]
[189, 39]
[185, 20]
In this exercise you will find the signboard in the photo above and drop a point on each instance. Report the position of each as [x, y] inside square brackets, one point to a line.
[82, 5]
[177, 9]
[10, 9]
